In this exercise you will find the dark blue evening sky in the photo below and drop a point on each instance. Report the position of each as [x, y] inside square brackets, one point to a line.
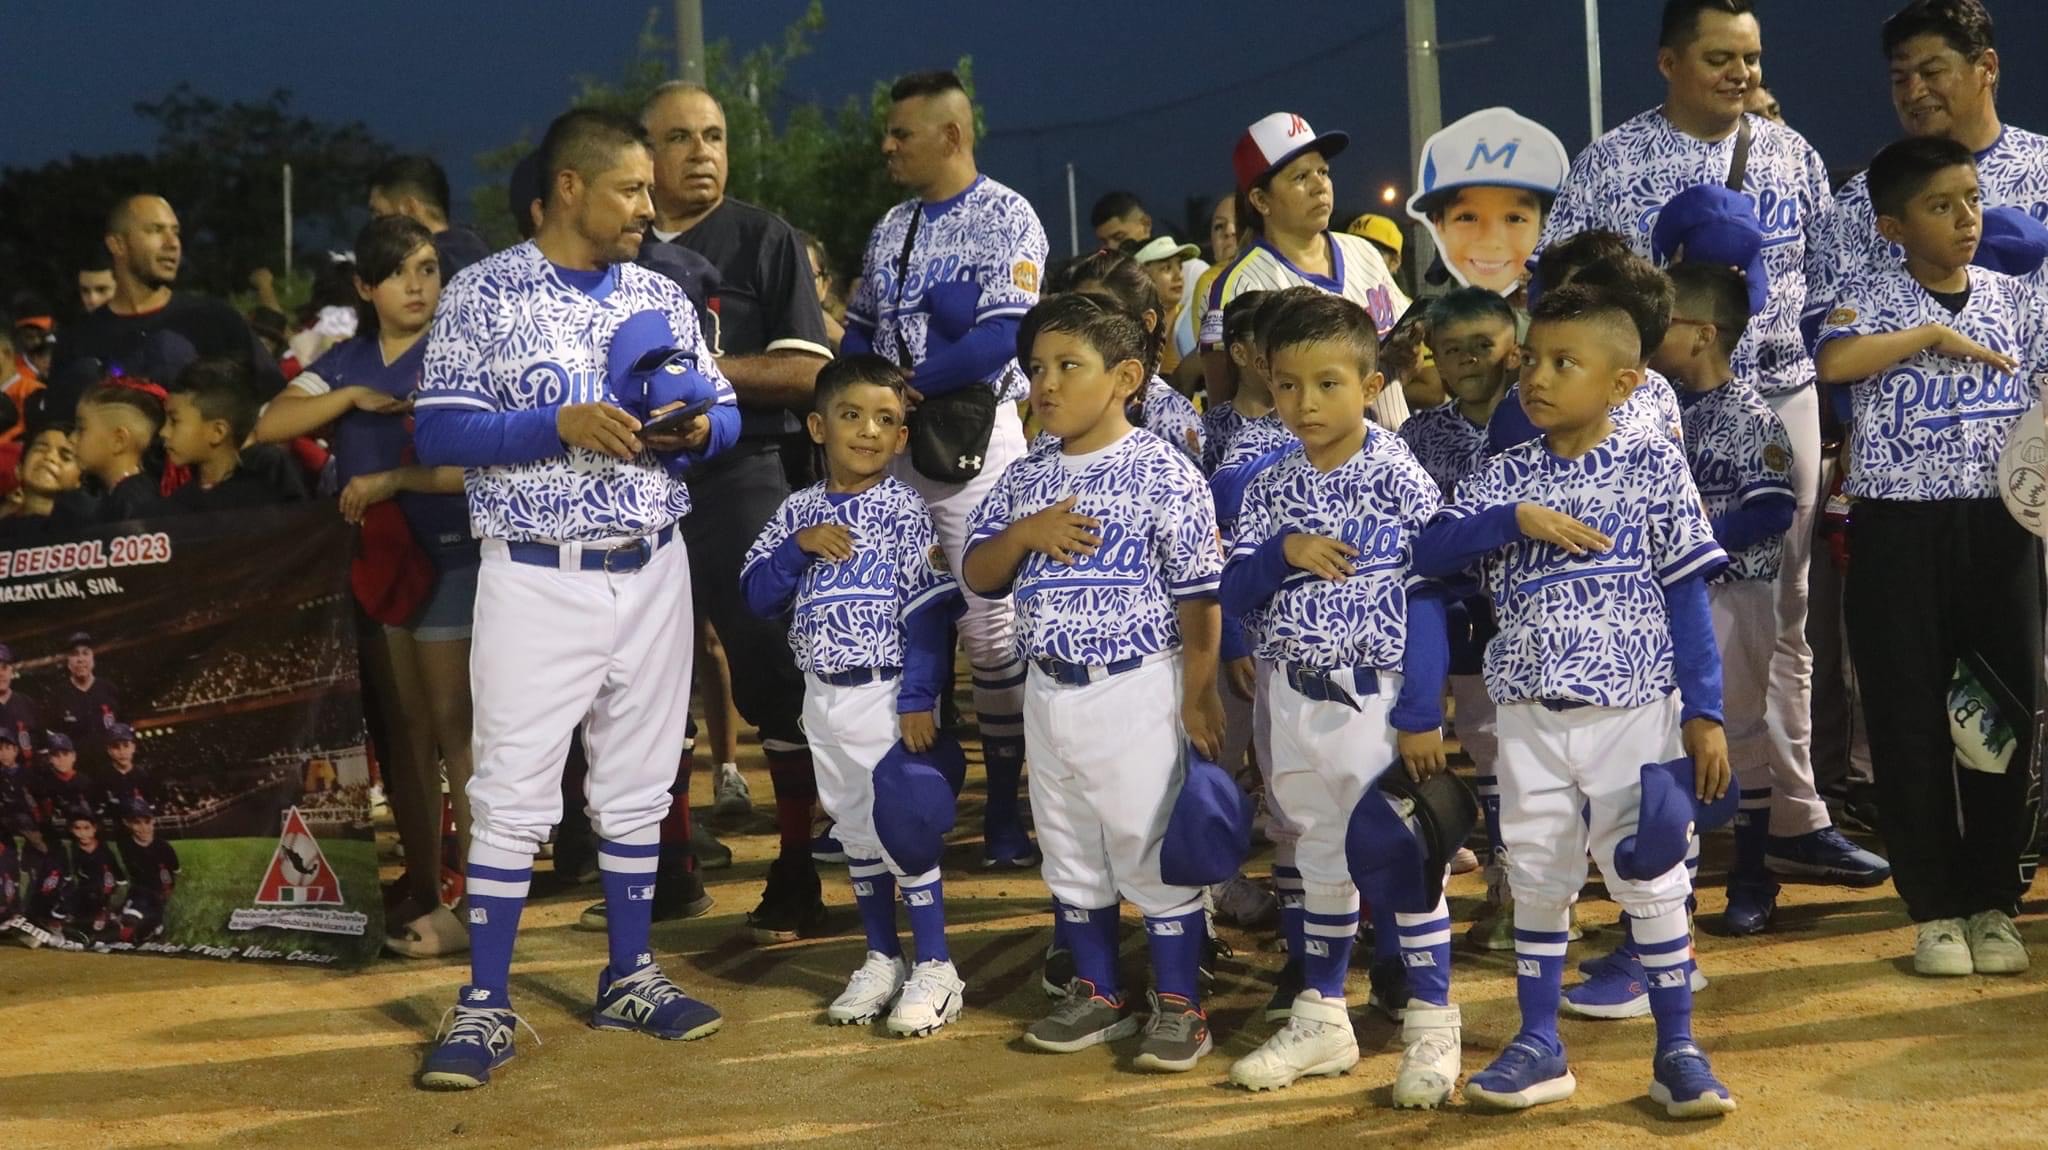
[1144, 96]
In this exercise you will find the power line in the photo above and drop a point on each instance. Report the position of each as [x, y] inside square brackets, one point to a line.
[1196, 97]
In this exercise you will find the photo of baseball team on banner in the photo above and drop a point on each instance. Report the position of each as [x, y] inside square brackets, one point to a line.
[182, 762]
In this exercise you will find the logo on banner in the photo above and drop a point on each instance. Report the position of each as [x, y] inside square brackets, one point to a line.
[298, 874]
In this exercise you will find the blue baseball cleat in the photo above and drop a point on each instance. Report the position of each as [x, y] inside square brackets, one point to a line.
[648, 1002]
[1616, 987]
[1825, 856]
[478, 1042]
[1527, 1073]
[1684, 1084]
[825, 848]
[1752, 903]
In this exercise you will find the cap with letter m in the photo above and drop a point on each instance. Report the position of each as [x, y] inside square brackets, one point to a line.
[1274, 142]
[1493, 147]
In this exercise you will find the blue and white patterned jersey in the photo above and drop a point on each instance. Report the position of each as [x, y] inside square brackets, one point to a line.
[1932, 427]
[1220, 426]
[977, 256]
[850, 615]
[1256, 437]
[1159, 547]
[1738, 450]
[1590, 628]
[1653, 406]
[1623, 180]
[1447, 445]
[1377, 502]
[511, 335]
[1172, 417]
[2011, 173]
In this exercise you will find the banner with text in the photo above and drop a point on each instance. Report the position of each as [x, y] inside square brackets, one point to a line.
[182, 756]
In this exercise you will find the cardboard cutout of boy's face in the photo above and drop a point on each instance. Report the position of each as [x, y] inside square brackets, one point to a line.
[1484, 187]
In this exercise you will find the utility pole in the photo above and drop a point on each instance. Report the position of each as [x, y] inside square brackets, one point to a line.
[1425, 116]
[1593, 65]
[690, 41]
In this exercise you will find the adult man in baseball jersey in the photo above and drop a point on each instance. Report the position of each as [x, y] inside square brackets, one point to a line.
[83, 706]
[583, 600]
[1710, 53]
[17, 714]
[946, 280]
[769, 334]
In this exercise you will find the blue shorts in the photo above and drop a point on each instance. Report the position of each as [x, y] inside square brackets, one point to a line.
[450, 609]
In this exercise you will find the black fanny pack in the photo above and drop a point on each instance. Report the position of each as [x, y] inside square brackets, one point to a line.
[949, 433]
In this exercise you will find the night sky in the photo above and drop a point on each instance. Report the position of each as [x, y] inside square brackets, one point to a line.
[1148, 96]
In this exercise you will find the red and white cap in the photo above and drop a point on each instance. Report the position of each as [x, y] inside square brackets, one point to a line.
[1274, 142]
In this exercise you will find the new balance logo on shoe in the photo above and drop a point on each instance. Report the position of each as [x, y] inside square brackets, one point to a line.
[644, 958]
[918, 897]
[1528, 968]
[478, 994]
[640, 892]
[634, 1009]
[1419, 958]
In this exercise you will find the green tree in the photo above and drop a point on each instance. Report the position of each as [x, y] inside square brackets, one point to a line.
[818, 167]
[221, 166]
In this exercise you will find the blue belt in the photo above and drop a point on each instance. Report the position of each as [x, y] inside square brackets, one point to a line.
[1328, 686]
[625, 557]
[860, 676]
[1082, 674]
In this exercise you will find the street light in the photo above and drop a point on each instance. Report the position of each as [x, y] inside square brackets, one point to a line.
[1389, 194]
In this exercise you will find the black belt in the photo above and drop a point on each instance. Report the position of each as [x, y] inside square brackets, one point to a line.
[860, 676]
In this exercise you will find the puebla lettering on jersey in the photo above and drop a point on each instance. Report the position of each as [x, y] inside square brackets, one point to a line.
[868, 575]
[1123, 560]
[1932, 402]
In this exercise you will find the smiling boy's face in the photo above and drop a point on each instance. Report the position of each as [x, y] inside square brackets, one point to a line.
[1487, 235]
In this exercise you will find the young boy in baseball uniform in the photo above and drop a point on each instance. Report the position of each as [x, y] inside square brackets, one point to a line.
[1109, 547]
[1741, 460]
[1472, 332]
[1941, 359]
[1595, 549]
[1321, 560]
[855, 563]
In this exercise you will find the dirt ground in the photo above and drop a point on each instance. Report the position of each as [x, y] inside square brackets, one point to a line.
[1819, 1028]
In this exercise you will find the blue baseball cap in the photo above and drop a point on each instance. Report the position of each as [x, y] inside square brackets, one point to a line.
[1401, 835]
[120, 733]
[78, 639]
[137, 807]
[1668, 817]
[914, 806]
[2012, 242]
[1714, 224]
[1209, 830]
[641, 346]
[56, 744]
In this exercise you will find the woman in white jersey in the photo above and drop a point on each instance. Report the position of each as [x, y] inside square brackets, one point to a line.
[1283, 211]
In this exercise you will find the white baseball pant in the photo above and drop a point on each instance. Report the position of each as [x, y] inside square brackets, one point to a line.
[850, 729]
[1325, 757]
[1282, 831]
[1796, 807]
[1573, 778]
[1106, 767]
[988, 626]
[557, 647]
[1745, 628]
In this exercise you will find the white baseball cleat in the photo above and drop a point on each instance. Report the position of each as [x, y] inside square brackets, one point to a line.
[1430, 1065]
[1316, 1040]
[868, 991]
[930, 999]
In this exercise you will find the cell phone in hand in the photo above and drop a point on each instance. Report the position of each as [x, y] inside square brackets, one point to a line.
[675, 421]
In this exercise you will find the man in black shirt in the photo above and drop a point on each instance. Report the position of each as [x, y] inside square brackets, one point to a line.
[17, 714]
[769, 335]
[142, 236]
[417, 188]
[82, 708]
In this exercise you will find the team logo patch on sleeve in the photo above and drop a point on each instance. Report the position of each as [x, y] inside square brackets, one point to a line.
[1841, 316]
[1025, 275]
[1777, 459]
[935, 558]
